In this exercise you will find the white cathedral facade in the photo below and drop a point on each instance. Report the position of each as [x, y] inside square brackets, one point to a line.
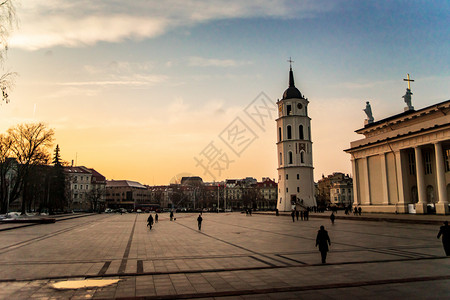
[294, 149]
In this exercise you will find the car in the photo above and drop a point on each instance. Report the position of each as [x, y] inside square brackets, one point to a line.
[138, 211]
[108, 210]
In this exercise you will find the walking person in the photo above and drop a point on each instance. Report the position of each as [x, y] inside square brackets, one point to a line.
[306, 215]
[359, 210]
[323, 240]
[150, 221]
[297, 214]
[301, 215]
[445, 232]
[199, 221]
[171, 215]
[332, 217]
[156, 218]
[293, 216]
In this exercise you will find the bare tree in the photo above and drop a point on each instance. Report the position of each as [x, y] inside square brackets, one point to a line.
[95, 197]
[7, 164]
[30, 144]
[7, 22]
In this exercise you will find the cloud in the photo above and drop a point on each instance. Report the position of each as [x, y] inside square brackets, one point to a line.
[211, 62]
[50, 23]
[71, 32]
[136, 80]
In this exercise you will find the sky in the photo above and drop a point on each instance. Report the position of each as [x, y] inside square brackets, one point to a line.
[153, 90]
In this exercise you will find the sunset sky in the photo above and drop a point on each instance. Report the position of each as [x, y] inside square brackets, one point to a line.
[139, 90]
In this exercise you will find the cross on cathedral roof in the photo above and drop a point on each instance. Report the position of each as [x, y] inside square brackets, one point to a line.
[409, 81]
[290, 62]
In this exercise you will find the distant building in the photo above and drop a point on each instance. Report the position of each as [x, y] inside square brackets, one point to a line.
[334, 189]
[86, 188]
[403, 162]
[160, 195]
[341, 192]
[192, 181]
[249, 193]
[79, 182]
[128, 194]
[268, 191]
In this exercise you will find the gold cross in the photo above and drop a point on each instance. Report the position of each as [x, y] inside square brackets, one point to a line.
[409, 80]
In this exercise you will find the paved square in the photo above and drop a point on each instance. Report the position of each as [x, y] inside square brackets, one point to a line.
[235, 256]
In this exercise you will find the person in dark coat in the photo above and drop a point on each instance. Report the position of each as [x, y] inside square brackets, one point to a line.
[150, 221]
[156, 218]
[306, 215]
[359, 210]
[199, 221]
[445, 232]
[297, 214]
[323, 240]
[171, 215]
[332, 217]
[293, 216]
[301, 215]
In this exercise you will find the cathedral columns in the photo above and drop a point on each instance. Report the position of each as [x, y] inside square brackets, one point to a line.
[401, 207]
[356, 200]
[421, 206]
[442, 205]
[385, 179]
[366, 196]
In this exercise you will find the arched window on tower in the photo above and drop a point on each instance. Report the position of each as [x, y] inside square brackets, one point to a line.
[289, 132]
[290, 157]
[302, 157]
[279, 134]
[281, 159]
[300, 131]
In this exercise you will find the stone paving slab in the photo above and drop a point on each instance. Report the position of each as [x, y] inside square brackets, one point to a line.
[261, 256]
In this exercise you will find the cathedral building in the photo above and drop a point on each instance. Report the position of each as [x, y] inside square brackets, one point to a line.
[294, 150]
[402, 164]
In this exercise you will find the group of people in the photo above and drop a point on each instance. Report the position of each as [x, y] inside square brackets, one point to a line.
[322, 239]
[357, 211]
[150, 220]
[303, 214]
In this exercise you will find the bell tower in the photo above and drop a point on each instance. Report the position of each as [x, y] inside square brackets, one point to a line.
[294, 150]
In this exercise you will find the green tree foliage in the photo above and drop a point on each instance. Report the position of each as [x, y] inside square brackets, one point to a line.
[57, 157]
[57, 184]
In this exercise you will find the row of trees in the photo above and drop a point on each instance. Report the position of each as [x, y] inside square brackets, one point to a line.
[206, 197]
[26, 172]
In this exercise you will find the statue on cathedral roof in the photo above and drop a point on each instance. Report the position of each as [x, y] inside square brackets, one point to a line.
[368, 111]
[407, 98]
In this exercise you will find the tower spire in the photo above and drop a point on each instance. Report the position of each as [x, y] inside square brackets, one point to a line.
[291, 74]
